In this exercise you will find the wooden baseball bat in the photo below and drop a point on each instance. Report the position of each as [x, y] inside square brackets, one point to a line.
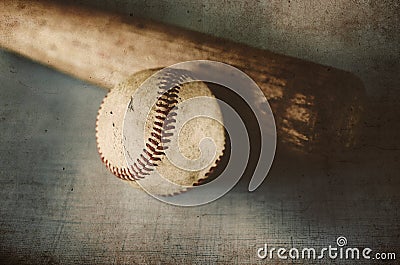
[311, 103]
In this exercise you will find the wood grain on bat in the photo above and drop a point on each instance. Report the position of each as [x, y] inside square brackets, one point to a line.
[106, 48]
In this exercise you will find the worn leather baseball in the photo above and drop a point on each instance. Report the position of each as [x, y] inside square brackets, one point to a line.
[150, 155]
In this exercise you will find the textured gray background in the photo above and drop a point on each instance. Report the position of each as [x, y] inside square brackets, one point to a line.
[60, 205]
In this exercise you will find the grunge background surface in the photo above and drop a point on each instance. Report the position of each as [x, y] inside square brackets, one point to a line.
[60, 205]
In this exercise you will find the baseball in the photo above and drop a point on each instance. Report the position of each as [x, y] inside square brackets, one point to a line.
[151, 147]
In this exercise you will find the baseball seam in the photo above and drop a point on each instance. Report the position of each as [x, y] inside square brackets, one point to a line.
[153, 151]
[162, 126]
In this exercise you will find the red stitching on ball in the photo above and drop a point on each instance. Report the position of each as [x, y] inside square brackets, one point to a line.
[155, 145]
